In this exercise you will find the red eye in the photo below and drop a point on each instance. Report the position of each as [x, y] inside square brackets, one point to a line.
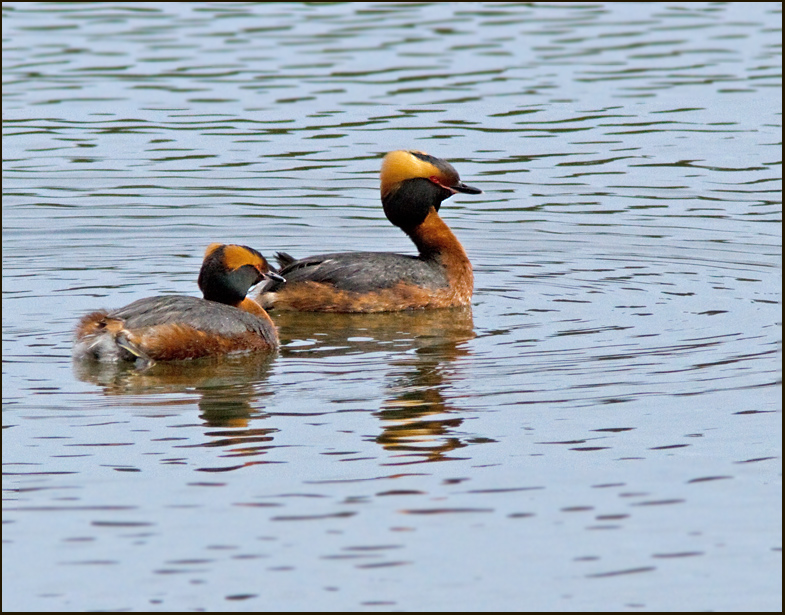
[436, 180]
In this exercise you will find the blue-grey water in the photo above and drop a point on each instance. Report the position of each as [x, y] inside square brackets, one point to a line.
[600, 431]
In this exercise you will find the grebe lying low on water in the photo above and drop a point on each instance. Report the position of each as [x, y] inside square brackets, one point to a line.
[176, 327]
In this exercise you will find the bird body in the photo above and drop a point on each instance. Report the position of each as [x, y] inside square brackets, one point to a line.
[413, 186]
[176, 327]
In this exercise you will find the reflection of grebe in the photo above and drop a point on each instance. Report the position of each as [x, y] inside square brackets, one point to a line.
[337, 334]
[413, 186]
[173, 327]
[427, 356]
[419, 420]
[229, 391]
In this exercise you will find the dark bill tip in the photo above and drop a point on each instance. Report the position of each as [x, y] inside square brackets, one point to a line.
[274, 276]
[461, 187]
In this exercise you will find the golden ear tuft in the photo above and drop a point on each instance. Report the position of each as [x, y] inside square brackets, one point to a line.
[212, 248]
[401, 165]
[237, 256]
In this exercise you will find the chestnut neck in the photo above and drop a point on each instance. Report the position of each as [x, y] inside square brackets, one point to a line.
[434, 238]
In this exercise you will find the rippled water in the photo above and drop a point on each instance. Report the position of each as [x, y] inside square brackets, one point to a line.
[606, 417]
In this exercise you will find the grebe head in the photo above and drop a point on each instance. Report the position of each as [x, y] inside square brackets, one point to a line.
[412, 182]
[229, 271]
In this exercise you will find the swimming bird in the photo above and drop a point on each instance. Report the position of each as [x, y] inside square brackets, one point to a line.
[413, 186]
[176, 327]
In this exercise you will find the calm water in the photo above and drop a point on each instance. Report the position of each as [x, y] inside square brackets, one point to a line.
[601, 431]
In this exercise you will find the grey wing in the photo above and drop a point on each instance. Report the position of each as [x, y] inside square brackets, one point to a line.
[198, 313]
[362, 271]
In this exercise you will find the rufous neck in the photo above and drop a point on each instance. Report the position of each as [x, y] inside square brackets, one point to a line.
[250, 306]
[433, 237]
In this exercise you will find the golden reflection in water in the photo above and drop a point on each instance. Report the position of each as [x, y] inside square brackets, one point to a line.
[418, 421]
[228, 390]
[226, 384]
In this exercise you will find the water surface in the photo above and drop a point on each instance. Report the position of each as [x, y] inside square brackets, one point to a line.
[600, 431]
